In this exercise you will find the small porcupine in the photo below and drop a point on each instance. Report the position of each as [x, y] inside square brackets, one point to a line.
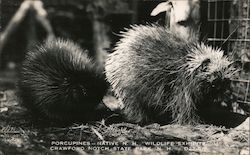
[158, 75]
[59, 81]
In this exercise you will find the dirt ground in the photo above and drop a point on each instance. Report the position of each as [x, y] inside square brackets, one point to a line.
[20, 133]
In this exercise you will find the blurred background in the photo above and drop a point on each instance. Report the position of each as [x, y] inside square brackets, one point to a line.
[96, 24]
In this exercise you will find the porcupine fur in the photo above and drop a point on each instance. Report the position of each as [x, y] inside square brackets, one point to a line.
[159, 75]
[59, 81]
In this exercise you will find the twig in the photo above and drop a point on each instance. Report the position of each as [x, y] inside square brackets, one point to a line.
[97, 133]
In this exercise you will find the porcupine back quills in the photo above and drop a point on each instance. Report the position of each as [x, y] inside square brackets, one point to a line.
[59, 81]
[160, 76]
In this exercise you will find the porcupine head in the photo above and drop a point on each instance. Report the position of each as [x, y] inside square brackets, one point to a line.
[155, 72]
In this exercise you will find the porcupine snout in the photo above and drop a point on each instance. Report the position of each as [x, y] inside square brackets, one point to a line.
[218, 81]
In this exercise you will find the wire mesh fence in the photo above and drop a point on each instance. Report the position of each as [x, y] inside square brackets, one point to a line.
[228, 25]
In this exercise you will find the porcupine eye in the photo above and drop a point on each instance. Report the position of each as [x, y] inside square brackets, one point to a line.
[203, 67]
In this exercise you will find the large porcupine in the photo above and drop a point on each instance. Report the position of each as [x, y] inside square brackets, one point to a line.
[59, 81]
[160, 76]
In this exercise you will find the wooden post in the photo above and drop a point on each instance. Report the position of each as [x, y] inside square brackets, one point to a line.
[38, 13]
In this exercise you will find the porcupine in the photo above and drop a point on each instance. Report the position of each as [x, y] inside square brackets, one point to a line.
[159, 76]
[59, 81]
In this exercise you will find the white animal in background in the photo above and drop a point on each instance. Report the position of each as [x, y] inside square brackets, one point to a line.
[184, 15]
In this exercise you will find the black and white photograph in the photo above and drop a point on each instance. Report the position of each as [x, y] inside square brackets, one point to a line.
[124, 77]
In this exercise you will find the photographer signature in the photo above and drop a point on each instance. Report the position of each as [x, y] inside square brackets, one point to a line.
[10, 130]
